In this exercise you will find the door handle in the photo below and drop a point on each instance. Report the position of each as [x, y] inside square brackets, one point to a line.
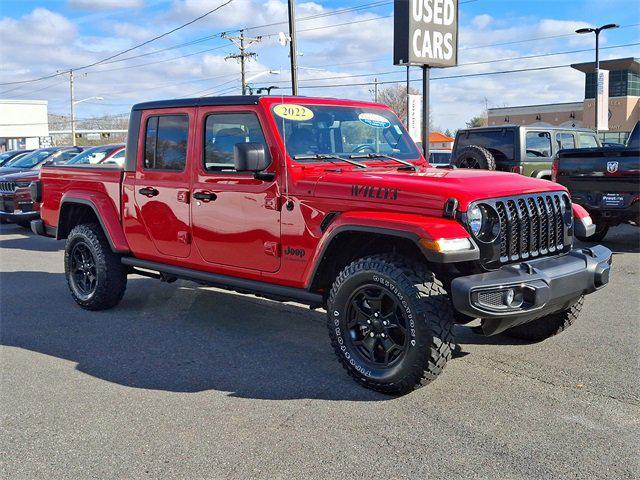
[205, 196]
[148, 192]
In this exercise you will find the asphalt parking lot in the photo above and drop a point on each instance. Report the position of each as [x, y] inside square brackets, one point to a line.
[181, 381]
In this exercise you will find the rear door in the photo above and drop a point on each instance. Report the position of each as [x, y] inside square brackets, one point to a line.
[538, 153]
[236, 216]
[162, 179]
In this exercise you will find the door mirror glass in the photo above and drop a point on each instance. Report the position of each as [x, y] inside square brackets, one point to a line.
[250, 157]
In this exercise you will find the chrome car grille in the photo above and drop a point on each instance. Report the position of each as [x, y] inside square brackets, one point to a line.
[7, 187]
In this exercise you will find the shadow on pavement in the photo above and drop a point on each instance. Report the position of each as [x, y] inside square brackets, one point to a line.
[179, 339]
[620, 239]
[27, 241]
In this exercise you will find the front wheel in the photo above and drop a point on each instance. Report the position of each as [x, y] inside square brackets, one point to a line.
[96, 277]
[390, 323]
[548, 326]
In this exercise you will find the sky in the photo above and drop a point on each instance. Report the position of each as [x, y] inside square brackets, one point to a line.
[345, 44]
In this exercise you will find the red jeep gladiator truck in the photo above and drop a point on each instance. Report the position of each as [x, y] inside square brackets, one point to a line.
[327, 203]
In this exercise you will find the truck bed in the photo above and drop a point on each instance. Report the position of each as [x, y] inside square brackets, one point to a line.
[71, 182]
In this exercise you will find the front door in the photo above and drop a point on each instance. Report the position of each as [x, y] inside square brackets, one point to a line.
[235, 216]
[162, 180]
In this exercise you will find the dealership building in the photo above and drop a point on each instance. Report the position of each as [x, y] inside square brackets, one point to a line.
[23, 124]
[624, 103]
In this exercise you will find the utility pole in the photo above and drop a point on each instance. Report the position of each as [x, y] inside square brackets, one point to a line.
[375, 89]
[426, 70]
[293, 49]
[242, 43]
[73, 116]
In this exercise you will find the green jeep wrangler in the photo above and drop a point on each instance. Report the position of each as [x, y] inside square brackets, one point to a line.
[528, 150]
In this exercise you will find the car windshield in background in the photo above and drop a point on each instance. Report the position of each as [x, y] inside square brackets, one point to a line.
[323, 130]
[92, 155]
[32, 159]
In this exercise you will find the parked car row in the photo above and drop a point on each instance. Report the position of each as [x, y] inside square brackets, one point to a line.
[18, 168]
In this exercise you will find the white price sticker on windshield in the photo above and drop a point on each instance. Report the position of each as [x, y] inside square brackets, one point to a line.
[297, 113]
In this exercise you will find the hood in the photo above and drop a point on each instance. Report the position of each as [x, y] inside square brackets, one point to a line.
[20, 176]
[429, 187]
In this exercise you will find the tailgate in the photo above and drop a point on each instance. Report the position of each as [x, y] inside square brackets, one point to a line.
[605, 178]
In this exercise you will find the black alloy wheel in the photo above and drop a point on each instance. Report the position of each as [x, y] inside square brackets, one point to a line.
[83, 270]
[377, 326]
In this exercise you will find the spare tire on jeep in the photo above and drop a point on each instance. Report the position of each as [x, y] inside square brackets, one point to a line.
[474, 156]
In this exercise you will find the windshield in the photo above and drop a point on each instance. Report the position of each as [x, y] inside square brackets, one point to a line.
[92, 155]
[312, 130]
[32, 159]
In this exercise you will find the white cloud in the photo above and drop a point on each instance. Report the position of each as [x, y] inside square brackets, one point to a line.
[105, 4]
[40, 27]
[482, 21]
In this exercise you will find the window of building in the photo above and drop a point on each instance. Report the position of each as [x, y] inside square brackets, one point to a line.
[223, 131]
[538, 144]
[166, 142]
[566, 140]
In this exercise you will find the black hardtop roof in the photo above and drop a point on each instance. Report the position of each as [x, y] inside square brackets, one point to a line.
[205, 101]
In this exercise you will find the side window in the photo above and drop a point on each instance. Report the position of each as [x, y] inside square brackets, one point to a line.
[119, 156]
[166, 142]
[588, 141]
[566, 140]
[538, 144]
[222, 132]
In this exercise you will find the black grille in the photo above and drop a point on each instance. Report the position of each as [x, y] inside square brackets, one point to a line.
[492, 299]
[7, 186]
[531, 225]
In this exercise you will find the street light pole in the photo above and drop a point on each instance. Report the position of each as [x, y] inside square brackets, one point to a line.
[597, 31]
[73, 119]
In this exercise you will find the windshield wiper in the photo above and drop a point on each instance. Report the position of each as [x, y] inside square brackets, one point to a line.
[319, 156]
[384, 155]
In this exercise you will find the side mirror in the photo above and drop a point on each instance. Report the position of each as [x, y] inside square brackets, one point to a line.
[250, 157]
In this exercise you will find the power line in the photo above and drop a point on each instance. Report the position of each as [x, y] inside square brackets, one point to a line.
[157, 37]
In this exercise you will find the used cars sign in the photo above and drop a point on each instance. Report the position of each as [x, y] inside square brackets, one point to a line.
[426, 32]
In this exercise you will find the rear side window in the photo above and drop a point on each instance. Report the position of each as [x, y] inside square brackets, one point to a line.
[566, 140]
[538, 144]
[222, 132]
[588, 141]
[499, 142]
[165, 146]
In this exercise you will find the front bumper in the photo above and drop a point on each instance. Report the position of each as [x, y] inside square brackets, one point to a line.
[20, 217]
[518, 293]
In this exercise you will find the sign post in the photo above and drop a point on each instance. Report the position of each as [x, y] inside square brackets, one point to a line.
[425, 34]
[602, 100]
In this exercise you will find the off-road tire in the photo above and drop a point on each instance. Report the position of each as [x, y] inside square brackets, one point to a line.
[598, 236]
[111, 276]
[475, 157]
[548, 326]
[420, 293]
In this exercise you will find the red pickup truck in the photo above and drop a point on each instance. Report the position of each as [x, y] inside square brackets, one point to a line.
[328, 203]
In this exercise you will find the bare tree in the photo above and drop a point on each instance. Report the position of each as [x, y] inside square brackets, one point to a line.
[396, 98]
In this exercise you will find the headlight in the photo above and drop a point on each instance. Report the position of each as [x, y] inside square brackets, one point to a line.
[484, 223]
[474, 216]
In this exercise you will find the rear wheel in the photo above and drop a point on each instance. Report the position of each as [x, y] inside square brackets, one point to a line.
[548, 326]
[96, 277]
[474, 157]
[601, 231]
[390, 323]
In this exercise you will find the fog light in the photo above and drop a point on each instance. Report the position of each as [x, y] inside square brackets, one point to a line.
[512, 298]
